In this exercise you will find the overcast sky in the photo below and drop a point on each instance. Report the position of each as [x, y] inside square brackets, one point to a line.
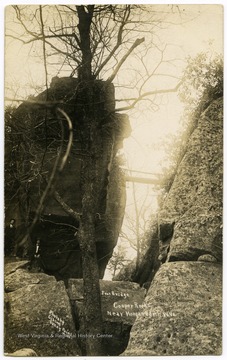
[203, 33]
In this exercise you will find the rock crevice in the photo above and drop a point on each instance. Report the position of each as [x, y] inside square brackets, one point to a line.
[46, 315]
[184, 302]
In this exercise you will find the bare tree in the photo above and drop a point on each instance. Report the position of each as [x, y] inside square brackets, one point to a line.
[118, 260]
[102, 38]
[95, 42]
[137, 223]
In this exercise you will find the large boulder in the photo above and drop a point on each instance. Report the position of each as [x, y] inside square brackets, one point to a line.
[13, 265]
[191, 217]
[121, 302]
[182, 312]
[47, 316]
[21, 278]
[38, 314]
[56, 231]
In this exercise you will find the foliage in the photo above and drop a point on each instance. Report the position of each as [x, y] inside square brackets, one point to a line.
[202, 83]
[202, 80]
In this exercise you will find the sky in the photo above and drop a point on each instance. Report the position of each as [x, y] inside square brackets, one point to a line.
[204, 31]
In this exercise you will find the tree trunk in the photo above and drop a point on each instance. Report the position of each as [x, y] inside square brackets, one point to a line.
[92, 297]
[137, 228]
[85, 20]
[92, 183]
[91, 186]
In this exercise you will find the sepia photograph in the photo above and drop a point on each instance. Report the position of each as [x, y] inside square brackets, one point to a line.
[113, 179]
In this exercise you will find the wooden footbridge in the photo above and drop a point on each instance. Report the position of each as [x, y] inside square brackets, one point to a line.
[142, 177]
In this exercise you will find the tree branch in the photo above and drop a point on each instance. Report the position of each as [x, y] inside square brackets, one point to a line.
[121, 62]
[37, 37]
[66, 207]
[48, 104]
[119, 40]
[147, 94]
[70, 141]
[58, 167]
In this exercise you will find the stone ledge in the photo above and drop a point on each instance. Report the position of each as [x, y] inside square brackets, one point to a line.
[183, 314]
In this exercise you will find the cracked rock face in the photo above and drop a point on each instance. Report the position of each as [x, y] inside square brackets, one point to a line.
[42, 315]
[183, 307]
[57, 231]
[194, 202]
[121, 302]
[183, 313]
[37, 314]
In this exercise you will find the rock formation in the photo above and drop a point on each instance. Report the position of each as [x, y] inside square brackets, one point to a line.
[46, 315]
[121, 302]
[182, 312]
[191, 217]
[149, 264]
[38, 314]
[37, 145]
